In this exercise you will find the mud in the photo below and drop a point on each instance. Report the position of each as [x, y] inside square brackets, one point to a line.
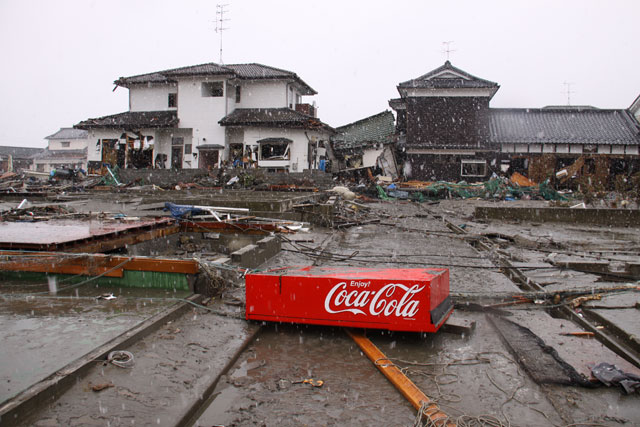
[173, 369]
[37, 330]
[471, 377]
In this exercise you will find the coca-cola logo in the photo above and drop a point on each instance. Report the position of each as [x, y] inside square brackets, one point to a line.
[392, 299]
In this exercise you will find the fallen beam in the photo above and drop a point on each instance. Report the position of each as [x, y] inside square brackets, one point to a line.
[409, 390]
[90, 264]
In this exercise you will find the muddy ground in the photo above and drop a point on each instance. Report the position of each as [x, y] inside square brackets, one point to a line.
[473, 377]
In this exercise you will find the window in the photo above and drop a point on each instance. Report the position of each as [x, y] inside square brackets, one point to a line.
[177, 140]
[274, 151]
[65, 144]
[212, 89]
[173, 100]
[238, 93]
[187, 148]
[473, 168]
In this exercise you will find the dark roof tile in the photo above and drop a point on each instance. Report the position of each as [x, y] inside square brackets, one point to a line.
[272, 117]
[133, 120]
[375, 129]
[563, 126]
[447, 77]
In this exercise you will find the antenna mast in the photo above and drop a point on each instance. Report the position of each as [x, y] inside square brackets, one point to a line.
[447, 48]
[220, 20]
[568, 91]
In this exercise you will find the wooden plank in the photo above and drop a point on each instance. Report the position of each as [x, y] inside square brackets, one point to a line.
[91, 264]
[409, 390]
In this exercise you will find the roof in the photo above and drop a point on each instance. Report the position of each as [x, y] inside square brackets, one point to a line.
[448, 77]
[635, 106]
[240, 71]
[133, 120]
[375, 129]
[47, 154]
[563, 126]
[273, 117]
[18, 152]
[69, 133]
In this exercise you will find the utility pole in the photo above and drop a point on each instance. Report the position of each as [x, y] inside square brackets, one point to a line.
[447, 48]
[568, 91]
[220, 20]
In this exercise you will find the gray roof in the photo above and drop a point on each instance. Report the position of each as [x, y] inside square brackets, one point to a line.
[133, 120]
[69, 133]
[239, 71]
[375, 129]
[435, 80]
[18, 152]
[273, 117]
[563, 126]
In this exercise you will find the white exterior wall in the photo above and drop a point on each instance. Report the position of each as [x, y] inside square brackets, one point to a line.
[369, 157]
[562, 148]
[508, 148]
[94, 148]
[262, 95]
[548, 148]
[617, 149]
[74, 144]
[535, 148]
[575, 148]
[604, 149]
[631, 149]
[299, 149]
[522, 148]
[151, 97]
[201, 113]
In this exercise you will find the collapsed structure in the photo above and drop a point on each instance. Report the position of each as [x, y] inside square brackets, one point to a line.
[447, 131]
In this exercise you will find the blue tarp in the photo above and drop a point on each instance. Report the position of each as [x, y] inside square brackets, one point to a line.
[181, 211]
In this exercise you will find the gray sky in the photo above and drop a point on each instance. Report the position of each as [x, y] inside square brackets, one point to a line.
[60, 57]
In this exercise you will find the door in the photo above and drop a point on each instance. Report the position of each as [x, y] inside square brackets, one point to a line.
[176, 157]
[177, 144]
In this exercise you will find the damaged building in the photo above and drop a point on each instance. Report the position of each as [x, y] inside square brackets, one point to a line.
[447, 131]
[204, 116]
[367, 143]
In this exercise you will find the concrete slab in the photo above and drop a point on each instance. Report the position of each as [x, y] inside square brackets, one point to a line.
[174, 368]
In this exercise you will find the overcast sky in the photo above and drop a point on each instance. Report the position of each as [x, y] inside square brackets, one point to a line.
[60, 57]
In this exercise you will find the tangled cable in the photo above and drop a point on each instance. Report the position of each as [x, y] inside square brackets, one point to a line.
[121, 358]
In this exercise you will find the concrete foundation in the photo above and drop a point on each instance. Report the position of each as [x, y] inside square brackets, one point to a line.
[610, 217]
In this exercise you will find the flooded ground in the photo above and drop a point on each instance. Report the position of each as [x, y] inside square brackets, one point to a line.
[474, 377]
[42, 333]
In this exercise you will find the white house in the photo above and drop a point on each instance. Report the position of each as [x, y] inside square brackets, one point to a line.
[66, 148]
[202, 115]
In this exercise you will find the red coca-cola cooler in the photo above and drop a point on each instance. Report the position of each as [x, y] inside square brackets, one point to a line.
[415, 299]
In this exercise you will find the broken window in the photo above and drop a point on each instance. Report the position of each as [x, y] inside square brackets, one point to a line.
[210, 89]
[473, 168]
[274, 151]
[172, 100]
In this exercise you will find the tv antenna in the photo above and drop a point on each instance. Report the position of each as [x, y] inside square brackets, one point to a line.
[221, 9]
[447, 48]
[568, 91]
